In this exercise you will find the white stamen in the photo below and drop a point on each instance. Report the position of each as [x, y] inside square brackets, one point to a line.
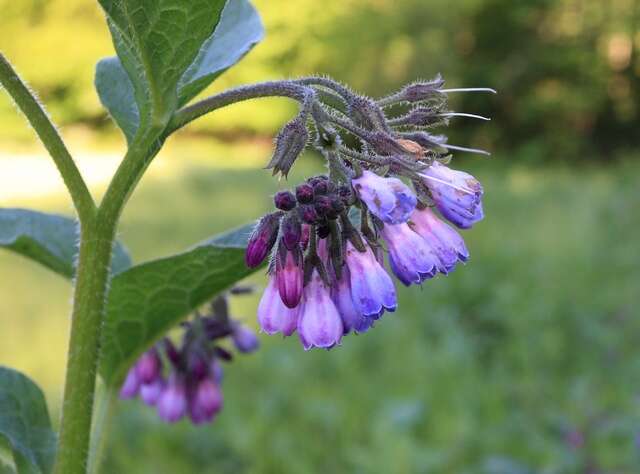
[464, 190]
[461, 114]
[462, 148]
[469, 89]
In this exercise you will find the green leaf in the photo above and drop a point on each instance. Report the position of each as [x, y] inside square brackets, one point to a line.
[157, 40]
[238, 30]
[49, 239]
[25, 424]
[149, 299]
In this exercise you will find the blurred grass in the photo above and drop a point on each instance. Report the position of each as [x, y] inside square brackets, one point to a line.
[489, 370]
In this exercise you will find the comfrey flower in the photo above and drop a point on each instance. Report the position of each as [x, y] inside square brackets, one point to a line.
[319, 324]
[185, 381]
[457, 195]
[326, 274]
[389, 199]
[441, 238]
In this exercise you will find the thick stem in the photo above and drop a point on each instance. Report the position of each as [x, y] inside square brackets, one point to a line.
[92, 279]
[47, 132]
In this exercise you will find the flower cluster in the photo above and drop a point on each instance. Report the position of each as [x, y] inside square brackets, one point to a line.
[391, 193]
[185, 380]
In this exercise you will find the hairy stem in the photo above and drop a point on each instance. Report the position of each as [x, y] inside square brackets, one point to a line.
[92, 278]
[264, 89]
[49, 136]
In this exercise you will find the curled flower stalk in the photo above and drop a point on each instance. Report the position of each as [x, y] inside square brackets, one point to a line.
[389, 191]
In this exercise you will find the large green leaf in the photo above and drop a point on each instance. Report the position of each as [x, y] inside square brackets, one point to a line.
[49, 239]
[238, 30]
[149, 299]
[25, 424]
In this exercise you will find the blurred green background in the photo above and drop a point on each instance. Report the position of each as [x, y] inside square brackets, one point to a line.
[524, 361]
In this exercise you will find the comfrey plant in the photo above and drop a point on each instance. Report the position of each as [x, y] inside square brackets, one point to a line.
[326, 240]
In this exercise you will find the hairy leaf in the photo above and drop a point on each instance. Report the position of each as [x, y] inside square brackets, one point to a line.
[149, 299]
[238, 30]
[49, 239]
[25, 424]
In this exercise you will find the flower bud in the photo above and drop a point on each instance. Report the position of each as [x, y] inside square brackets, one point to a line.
[304, 193]
[308, 214]
[346, 194]
[289, 276]
[197, 366]
[148, 366]
[244, 339]
[284, 200]
[172, 403]
[291, 232]
[323, 205]
[262, 239]
[321, 187]
[290, 142]
[366, 113]
[419, 91]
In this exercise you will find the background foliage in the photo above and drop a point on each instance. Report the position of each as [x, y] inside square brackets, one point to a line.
[524, 361]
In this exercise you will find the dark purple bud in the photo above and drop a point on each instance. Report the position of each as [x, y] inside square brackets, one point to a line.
[321, 187]
[317, 179]
[323, 205]
[172, 352]
[291, 232]
[348, 197]
[324, 231]
[308, 214]
[304, 193]
[245, 339]
[290, 142]
[197, 366]
[205, 401]
[150, 393]
[172, 403]
[262, 239]
[131, 385]
[149, 366]
[284, 200]
[337, 206]
[419, 91]
[289, 276]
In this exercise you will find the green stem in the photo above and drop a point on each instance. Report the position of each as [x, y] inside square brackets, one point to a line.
[92, 278]
[108, 396]
[49, 136]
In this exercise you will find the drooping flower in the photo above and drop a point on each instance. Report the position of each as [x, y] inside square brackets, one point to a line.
[457, 195]
[172, 403]
[371, 286]
[131, 385]
[319, 324]
[389, 199]
[273, 315]
[441, 237]
[150, 392]
[289, 276]
[411, 259]
[205, 401]
[342, 296]
[244, 338]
